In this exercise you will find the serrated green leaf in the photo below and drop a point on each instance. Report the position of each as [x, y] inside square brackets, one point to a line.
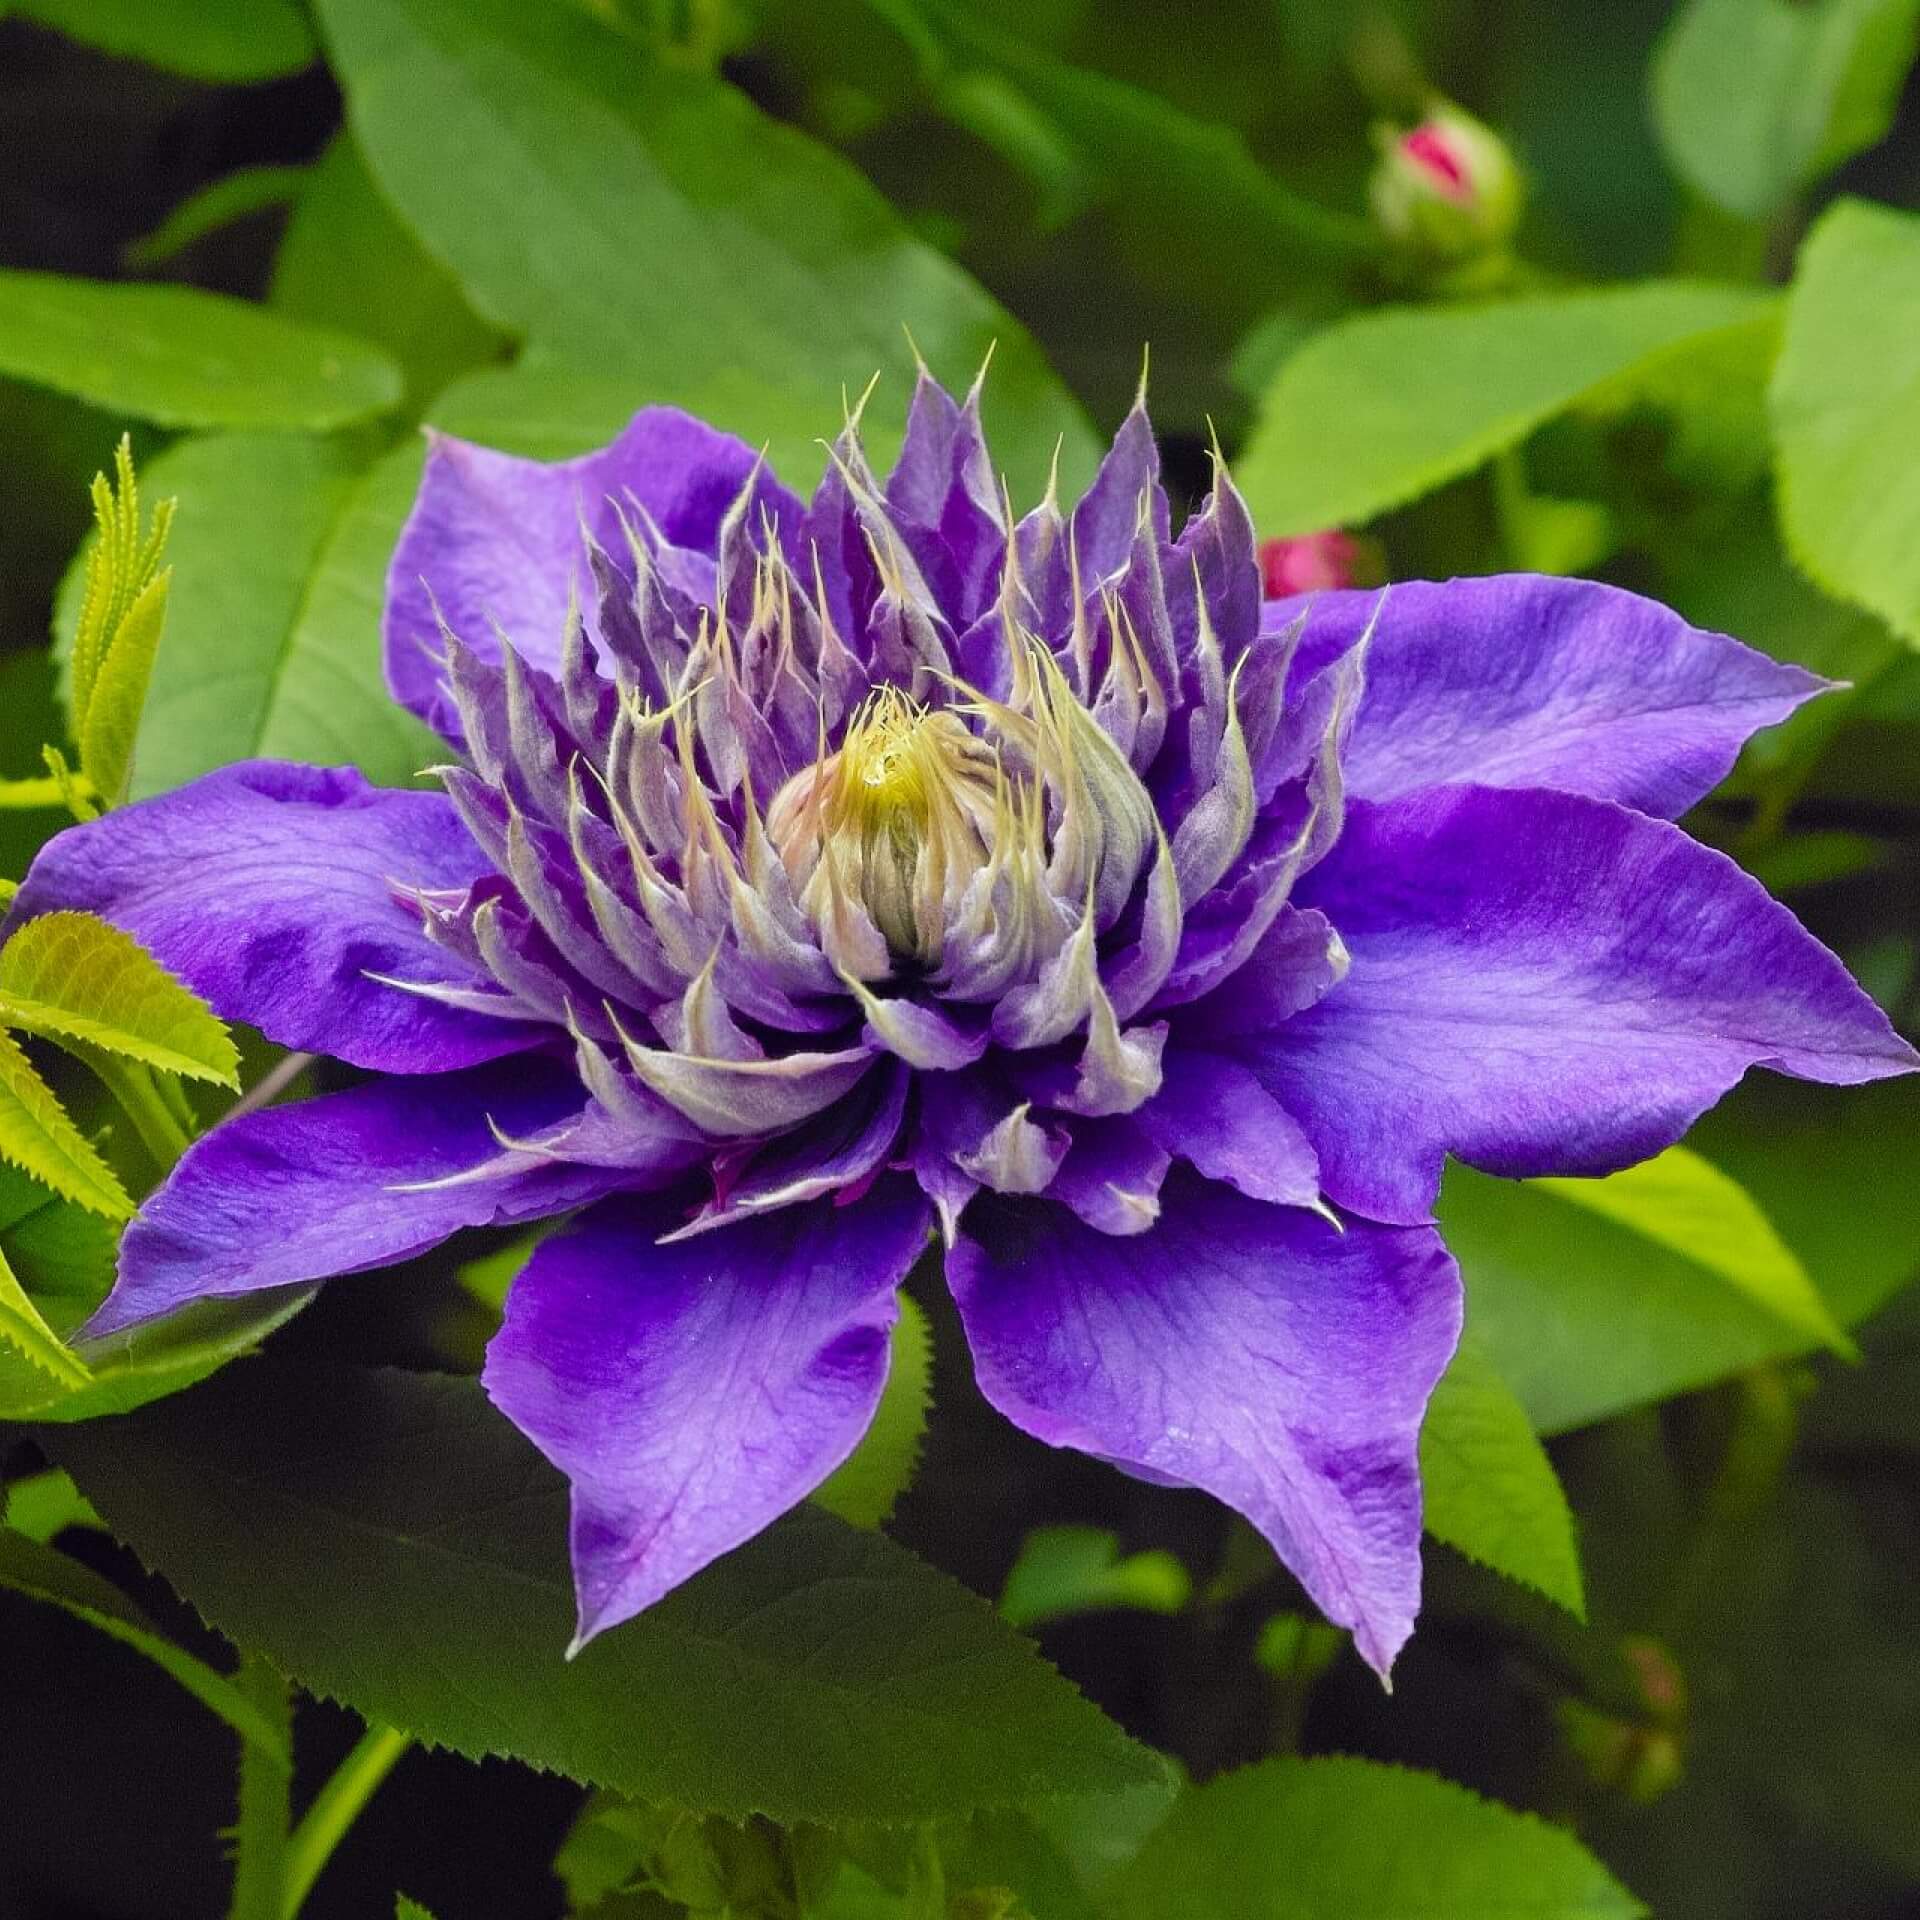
[1306, 1839]
[586, 161]
[865, 1490]
[73, 976]
[448, 1606]
[1381, 409]
[228, 40]
[1063, 1571]
[37, 1136]
[184, 358]
[44, 1573]
[1846, 411]
[1490, 1490]
[1818, 81]
[271, 651]
[24, 1329]
[405, 1909]
[1682, 1202]
[119, 694]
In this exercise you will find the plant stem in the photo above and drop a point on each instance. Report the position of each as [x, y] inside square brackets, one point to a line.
[335, 1808]
[266, 1786]
[154, 1120]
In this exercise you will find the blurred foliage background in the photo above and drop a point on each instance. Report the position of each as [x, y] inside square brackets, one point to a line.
[275, 240]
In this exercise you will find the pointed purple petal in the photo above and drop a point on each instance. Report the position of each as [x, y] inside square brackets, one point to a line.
[1518, 680]
[1545, 984]
[1253, 1351]
[495, 539]
[1215, 1115]
[268, 888]
[350, 1180]
[694, 1392]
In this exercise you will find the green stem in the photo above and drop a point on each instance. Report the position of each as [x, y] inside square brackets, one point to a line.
[335, 1808]
[154, 1119]
[266, 1788]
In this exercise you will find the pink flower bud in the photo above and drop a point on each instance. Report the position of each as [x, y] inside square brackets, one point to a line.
[1313, 562]
[1447, 189]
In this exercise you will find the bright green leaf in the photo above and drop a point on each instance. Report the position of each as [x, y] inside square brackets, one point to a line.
[637, 220]
[405, 1909]
[119, 695]
[1491, 1492]
[1817, 82]
[37, 1136]
[268, 654]
[184, 358]
[1064, 1571]
[1380, 409]
[44, 1573]
[448, 1607]
[233, 196]
[1307, 1839]
[227, 40]
[45, 1505]
[866, 1489]
[24, 1329]
[1846, 411]
[1680, 1201]
[72, 976]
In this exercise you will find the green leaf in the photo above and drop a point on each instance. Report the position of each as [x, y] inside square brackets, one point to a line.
[46, 1504]
[234, 196]
[1305, 1839]
[119, 694]
[1491, 1492]
[866, 1489]
[37, 1136]
[1818, 81]
[1846, 411]
[184, 358]
[636, 220]
[120, 571]
[1682, 1202]
[72, 976]
[1380, 409]
[1064, 1571]
[272, 651]
[226, 40]
[348, 262]
[24, 1329]
[44, 1573]
[405, 1909]
[448, 1606]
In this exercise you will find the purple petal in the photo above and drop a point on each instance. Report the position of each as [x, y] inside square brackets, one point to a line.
[268, 888]
[1254, 1351]
[1216, 1115]
[1545, 984]
[351, 1180]
[1519, 680]
[693, 1392]
[495, 539]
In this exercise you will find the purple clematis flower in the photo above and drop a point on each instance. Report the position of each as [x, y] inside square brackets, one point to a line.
[815, 874]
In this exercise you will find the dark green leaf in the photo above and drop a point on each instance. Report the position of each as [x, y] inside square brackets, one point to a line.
[1308, 1839]
[638, 221]
[447, 1605]
[184, 358]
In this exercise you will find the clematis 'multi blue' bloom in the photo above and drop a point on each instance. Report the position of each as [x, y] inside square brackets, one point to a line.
[816, 875]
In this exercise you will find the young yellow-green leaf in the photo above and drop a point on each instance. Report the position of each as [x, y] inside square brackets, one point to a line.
[405, 1909]
[1490, 1490]
[73, 976]
[46, 1504]
[1308, 1839]
[44, 1573]
[1818, 81]
[184, 358]
[1380, 409]
[24, 1329]
[1846, 411]
[37, 1137]
[119, 694]
[865, 1490]
[1685, 1203]
[121, 564]
[1063, 1571]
